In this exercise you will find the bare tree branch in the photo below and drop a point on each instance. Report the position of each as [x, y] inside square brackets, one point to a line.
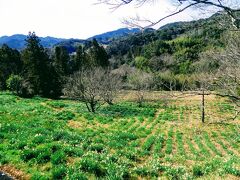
[182, 6]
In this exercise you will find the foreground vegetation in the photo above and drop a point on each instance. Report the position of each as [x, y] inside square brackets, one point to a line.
[59, 139]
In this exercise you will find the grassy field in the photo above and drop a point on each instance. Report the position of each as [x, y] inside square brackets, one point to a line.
[59, 139]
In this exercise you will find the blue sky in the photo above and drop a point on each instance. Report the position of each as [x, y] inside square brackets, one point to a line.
[75, 18]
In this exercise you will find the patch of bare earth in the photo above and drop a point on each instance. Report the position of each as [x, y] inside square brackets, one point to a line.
[75, 124]
[148, 96]
[14, 173]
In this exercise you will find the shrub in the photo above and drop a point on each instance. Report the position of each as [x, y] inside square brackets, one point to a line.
[175, 173]
[26, 89]
[14, 83]
[28, 154]
[61, 135]
[39, 139]
[43, 155]
[59, 172]
[96, 147]
[75, 173]
[58, 157]
[21, 145]
[78, 176]
[65, 115]
[92, 166]
[197, 171]
[39, 176]
[142, 171]
[55, 104]
[3, 159]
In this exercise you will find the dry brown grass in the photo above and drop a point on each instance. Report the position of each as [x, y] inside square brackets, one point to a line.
[13, 172]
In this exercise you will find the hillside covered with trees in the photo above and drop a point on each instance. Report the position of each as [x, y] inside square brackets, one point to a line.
[174, 53]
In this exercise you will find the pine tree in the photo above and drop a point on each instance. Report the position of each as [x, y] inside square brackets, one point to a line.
[61, 59]
[98, 55]
[36, 65]
[10, 63]
[81, 59]
[38, 71]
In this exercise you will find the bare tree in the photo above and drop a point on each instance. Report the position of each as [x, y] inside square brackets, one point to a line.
[140, 82]
[224, 80]
[230, 7]
[86, 86]
[228, 75]
[203, 86]
[93, 86]
[112, 83]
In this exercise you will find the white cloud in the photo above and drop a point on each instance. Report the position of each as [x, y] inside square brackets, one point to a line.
[71, 18]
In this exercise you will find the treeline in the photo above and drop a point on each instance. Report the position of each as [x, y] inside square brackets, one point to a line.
[36, 71]
[173, 52]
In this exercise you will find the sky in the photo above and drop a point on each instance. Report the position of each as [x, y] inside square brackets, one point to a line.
[76, 18]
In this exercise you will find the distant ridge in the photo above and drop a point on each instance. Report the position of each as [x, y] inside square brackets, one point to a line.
[17, 41]
[106, 38]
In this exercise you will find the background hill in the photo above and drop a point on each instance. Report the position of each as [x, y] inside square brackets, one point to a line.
[107, 37]
[175, 47]
[17, 41]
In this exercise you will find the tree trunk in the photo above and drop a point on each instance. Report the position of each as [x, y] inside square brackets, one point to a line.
[89, 110]
[110, 103]
[203, 107]
[93, 104]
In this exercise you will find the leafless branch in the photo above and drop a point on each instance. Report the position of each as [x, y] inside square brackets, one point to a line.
[182, 6]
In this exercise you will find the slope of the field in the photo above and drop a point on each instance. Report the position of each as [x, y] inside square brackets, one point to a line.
[59, 139]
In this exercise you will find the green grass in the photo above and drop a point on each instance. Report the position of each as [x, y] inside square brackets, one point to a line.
[59, 139]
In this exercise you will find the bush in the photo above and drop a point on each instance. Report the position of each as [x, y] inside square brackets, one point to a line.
[73, 151]
[59, 172]
[39, 176]
[96, 147]
[14, 83]
[57, 104]
[198, 171]
[28, 154]
[75, 173]
[65, 115]
[26, 89]
[175, 173]
[78, 176]
[3, 159]
[43, 155]
[39, 139]
[92, 166]
[19, 86]
[58, 157]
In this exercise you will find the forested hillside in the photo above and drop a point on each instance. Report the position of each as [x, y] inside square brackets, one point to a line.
[176, 47]
[174, 53]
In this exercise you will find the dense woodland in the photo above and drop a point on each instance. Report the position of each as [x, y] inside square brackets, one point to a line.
[174, 57]
[35, 71]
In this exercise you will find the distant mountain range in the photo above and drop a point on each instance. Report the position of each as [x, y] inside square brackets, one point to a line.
[17, 41]
[105, 38]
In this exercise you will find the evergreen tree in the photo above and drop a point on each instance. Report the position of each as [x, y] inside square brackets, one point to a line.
[81, 59]
[10, 63]
[35, 64]
[61, 59]
[37, 69]
[55, 84]
[98, 55]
